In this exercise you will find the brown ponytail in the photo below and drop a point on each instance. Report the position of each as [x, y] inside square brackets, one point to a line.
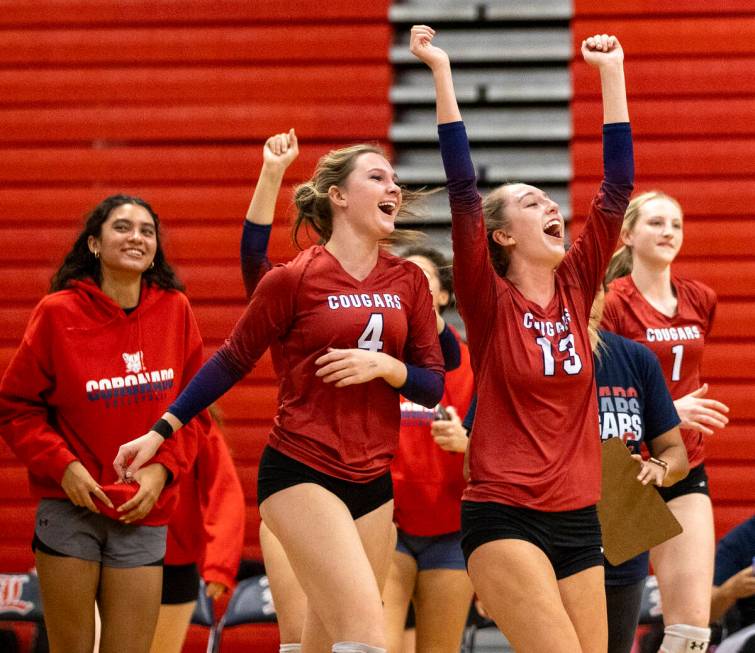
[311, 197]
[493, 205]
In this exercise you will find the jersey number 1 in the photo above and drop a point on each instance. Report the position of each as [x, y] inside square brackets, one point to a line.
[572, 365]
[370, 338]
[676, 372]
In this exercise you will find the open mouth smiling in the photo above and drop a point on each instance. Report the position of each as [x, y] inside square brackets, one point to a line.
[553, 228]
[387, 207]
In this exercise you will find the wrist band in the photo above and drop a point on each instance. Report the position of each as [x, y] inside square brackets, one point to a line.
[163, 428]
[661, 463]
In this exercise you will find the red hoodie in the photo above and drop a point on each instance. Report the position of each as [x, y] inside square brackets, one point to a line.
[211, 494]
[428, 481]
[89, 377]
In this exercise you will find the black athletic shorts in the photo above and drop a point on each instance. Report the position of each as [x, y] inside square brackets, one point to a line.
[278, 472]
[696, 482]
[570, 539]
[180, 584]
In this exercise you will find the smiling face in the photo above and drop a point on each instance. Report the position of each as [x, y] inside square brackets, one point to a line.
[656, 236]
[535, 226]
[370, 198]
[127, 240]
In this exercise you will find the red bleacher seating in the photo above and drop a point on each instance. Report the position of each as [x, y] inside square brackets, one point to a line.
[171, 103]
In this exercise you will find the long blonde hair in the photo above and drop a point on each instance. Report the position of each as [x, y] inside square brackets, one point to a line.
[621, 262]
[314, 211]
[593, 326]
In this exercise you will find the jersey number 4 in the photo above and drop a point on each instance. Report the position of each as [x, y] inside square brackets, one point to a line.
[572, 365]
[370, 338]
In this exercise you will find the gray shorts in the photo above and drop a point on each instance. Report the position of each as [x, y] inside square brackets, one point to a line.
[68, 530]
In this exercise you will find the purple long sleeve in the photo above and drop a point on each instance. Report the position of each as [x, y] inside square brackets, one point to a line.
[422, 386]
[618, 164]
[211, 382]
[254, 261]
[449, 347]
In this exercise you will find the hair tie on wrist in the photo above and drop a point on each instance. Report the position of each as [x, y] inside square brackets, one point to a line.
[163, 428]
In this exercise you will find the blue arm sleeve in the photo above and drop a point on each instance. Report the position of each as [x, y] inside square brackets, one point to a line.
[449, 347]
[254, 241]
[210, 383]
[422, 386]
[454, 150]
[469, 417]
[618, 153]
[618, 165]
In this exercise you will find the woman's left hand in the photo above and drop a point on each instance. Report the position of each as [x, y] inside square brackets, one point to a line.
[650, 472]
[351, 366]
[151, 479]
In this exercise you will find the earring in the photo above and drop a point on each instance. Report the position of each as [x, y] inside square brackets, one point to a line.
[152, 265]
[96, 254]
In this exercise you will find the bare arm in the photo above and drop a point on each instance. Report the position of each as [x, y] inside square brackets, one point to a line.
[279, 152]
[669, 447]
[447, 109]
[605, 53]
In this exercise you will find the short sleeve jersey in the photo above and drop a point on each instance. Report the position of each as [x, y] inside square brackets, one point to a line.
[677, 341]
[303, 308]
[635, 405]
[535, 441]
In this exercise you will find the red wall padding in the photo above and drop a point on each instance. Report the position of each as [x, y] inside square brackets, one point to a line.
[690, 68]
[171, 101]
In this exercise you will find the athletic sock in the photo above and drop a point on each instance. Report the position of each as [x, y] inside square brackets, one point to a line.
[681, 638]
[290, 648]
[356, 647]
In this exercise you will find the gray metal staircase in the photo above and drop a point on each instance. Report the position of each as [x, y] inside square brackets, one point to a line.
[511, 74]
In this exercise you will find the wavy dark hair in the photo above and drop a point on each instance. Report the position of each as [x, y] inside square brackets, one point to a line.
[442, 269]
[80, 263]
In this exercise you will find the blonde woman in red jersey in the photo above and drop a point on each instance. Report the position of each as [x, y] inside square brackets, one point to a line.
[427, 479]
[350, 327]
[672, 316]
[531, 535]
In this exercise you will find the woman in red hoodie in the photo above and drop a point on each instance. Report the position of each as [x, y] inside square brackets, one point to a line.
[104, 353]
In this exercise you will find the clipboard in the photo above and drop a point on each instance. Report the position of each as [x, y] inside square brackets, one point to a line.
[633, 517]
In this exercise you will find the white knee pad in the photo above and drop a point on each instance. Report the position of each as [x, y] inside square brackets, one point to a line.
[290, 648]
[681, 638]
[356, 647]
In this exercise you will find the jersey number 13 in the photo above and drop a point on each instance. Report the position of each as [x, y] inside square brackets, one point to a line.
[572, 365]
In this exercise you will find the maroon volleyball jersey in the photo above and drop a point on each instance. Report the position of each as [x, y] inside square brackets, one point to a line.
[678, 341]
[310, 304]
[535, 441]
